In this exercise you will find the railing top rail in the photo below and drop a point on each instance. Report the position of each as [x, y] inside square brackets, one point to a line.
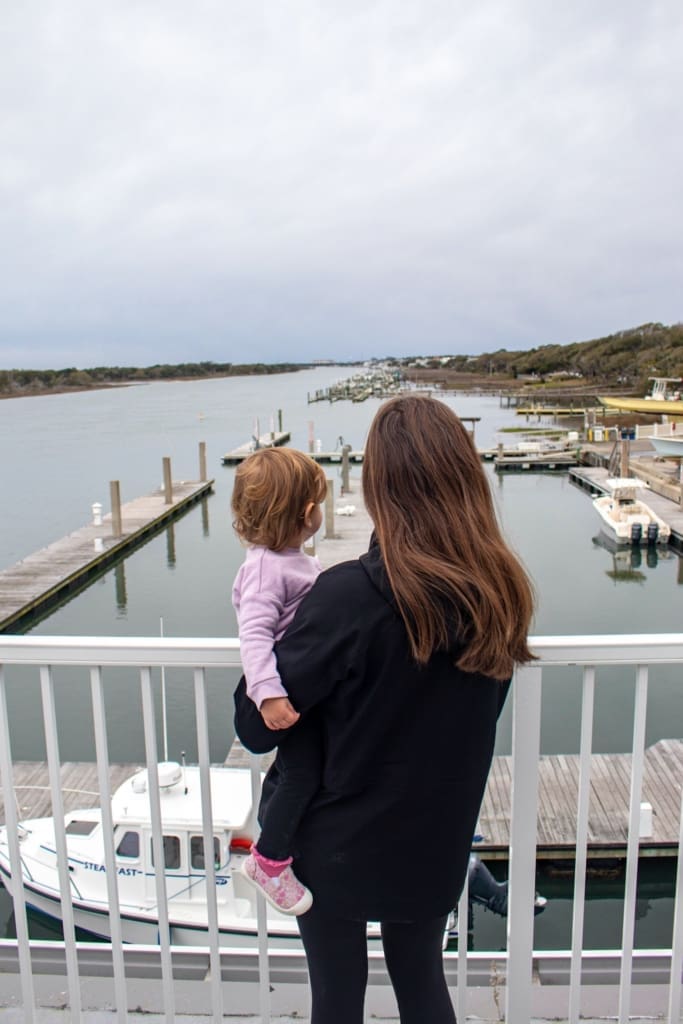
[608, 649]
[152, 652]
[223, 652]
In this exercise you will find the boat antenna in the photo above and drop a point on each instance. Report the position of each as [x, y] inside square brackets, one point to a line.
[182, 761]
[163, 698]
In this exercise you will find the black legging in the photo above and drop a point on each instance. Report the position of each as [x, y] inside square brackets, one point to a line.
[336, 951]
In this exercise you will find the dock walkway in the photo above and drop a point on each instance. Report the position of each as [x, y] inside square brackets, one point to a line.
[273, 439]
[43, 579]
[558, 789]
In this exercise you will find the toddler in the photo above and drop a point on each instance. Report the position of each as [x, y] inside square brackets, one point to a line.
[276, 504]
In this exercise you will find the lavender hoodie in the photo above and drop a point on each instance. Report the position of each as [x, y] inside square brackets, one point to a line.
[266, 593]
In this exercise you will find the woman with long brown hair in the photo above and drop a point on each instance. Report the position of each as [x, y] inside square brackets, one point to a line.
[403, 658]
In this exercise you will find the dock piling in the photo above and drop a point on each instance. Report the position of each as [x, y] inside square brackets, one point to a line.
[329, 511]
[624, 461]
[115, 495]
[202, 462]
[97, 513]
[168, 481]
[345, 468]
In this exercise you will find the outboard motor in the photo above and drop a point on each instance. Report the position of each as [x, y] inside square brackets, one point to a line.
[636, 533]
[652, 533]
[483, 889]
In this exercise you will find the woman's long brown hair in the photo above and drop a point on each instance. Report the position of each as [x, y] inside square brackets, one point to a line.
[457, 584]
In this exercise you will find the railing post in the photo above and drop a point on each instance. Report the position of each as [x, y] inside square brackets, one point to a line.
[53, 763]
[15, 883]
[261, 916]
[630, 887]
[102, 756]
[580, 863]
[526, 735]
[677, 941]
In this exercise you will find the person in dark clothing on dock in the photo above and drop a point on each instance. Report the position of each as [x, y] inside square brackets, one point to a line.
[402, 660]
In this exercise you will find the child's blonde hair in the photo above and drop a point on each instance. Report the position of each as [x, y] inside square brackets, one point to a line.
[272, 489]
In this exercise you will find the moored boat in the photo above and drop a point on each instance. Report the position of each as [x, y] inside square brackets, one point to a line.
[671, 446]
[184, 869]
[664, 399]
[626, 517]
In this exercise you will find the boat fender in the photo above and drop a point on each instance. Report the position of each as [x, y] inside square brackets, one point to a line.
[636, 533]
[241, 844]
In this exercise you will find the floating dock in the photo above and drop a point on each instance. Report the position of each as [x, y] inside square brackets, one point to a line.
[535, 461]
[558, 789]
[337, 456]
[43, 579]
[610, 782]
[273, 439]
[551, 410]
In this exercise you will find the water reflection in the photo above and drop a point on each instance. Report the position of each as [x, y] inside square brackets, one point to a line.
[120, 588]
[170, 546]
[627, 560]
[205, 516]
[604, 906]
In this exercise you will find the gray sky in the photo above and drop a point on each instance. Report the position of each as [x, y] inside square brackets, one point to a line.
[243, 181]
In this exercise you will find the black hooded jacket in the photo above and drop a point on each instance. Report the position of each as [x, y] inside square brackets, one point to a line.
[406, 751]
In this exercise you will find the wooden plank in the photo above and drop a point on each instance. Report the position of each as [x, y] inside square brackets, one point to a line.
[661, 787]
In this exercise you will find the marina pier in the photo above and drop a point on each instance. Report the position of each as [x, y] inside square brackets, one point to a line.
[43, 579]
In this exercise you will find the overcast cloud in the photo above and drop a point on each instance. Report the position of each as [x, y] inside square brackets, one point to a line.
[282, 181]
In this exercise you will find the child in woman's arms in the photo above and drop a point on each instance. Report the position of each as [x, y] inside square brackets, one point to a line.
[276, 505]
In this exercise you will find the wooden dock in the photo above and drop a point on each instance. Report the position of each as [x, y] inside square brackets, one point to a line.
[273, 439]
[551, 410]
[337, 457]
[350, 535]
[558, 789]
[608, 808]
[44, 578]
[535, 462]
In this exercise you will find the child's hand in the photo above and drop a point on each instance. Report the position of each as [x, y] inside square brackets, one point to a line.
[278, 713]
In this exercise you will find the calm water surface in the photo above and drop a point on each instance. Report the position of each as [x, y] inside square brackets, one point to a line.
[58, 454]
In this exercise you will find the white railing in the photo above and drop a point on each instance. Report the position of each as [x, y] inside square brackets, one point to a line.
[571, 972]
[645, 430]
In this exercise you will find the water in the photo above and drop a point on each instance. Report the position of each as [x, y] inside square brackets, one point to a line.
[58, 454]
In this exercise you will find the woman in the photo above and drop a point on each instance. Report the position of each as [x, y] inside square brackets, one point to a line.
[404, 658]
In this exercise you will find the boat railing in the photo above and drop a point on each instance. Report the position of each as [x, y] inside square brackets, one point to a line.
[518, 981]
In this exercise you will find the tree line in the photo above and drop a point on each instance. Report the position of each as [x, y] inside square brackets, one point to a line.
[18, 382]
[627, 358]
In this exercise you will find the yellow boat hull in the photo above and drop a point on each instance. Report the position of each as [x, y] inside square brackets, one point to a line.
[655, 406]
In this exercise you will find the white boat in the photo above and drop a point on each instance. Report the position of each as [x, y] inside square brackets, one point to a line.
[627, 518]
[672, 446]
[184, 862]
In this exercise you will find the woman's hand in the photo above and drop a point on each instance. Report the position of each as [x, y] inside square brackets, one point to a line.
[278, 713]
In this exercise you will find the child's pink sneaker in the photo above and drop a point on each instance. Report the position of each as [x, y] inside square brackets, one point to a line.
[284, 891]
